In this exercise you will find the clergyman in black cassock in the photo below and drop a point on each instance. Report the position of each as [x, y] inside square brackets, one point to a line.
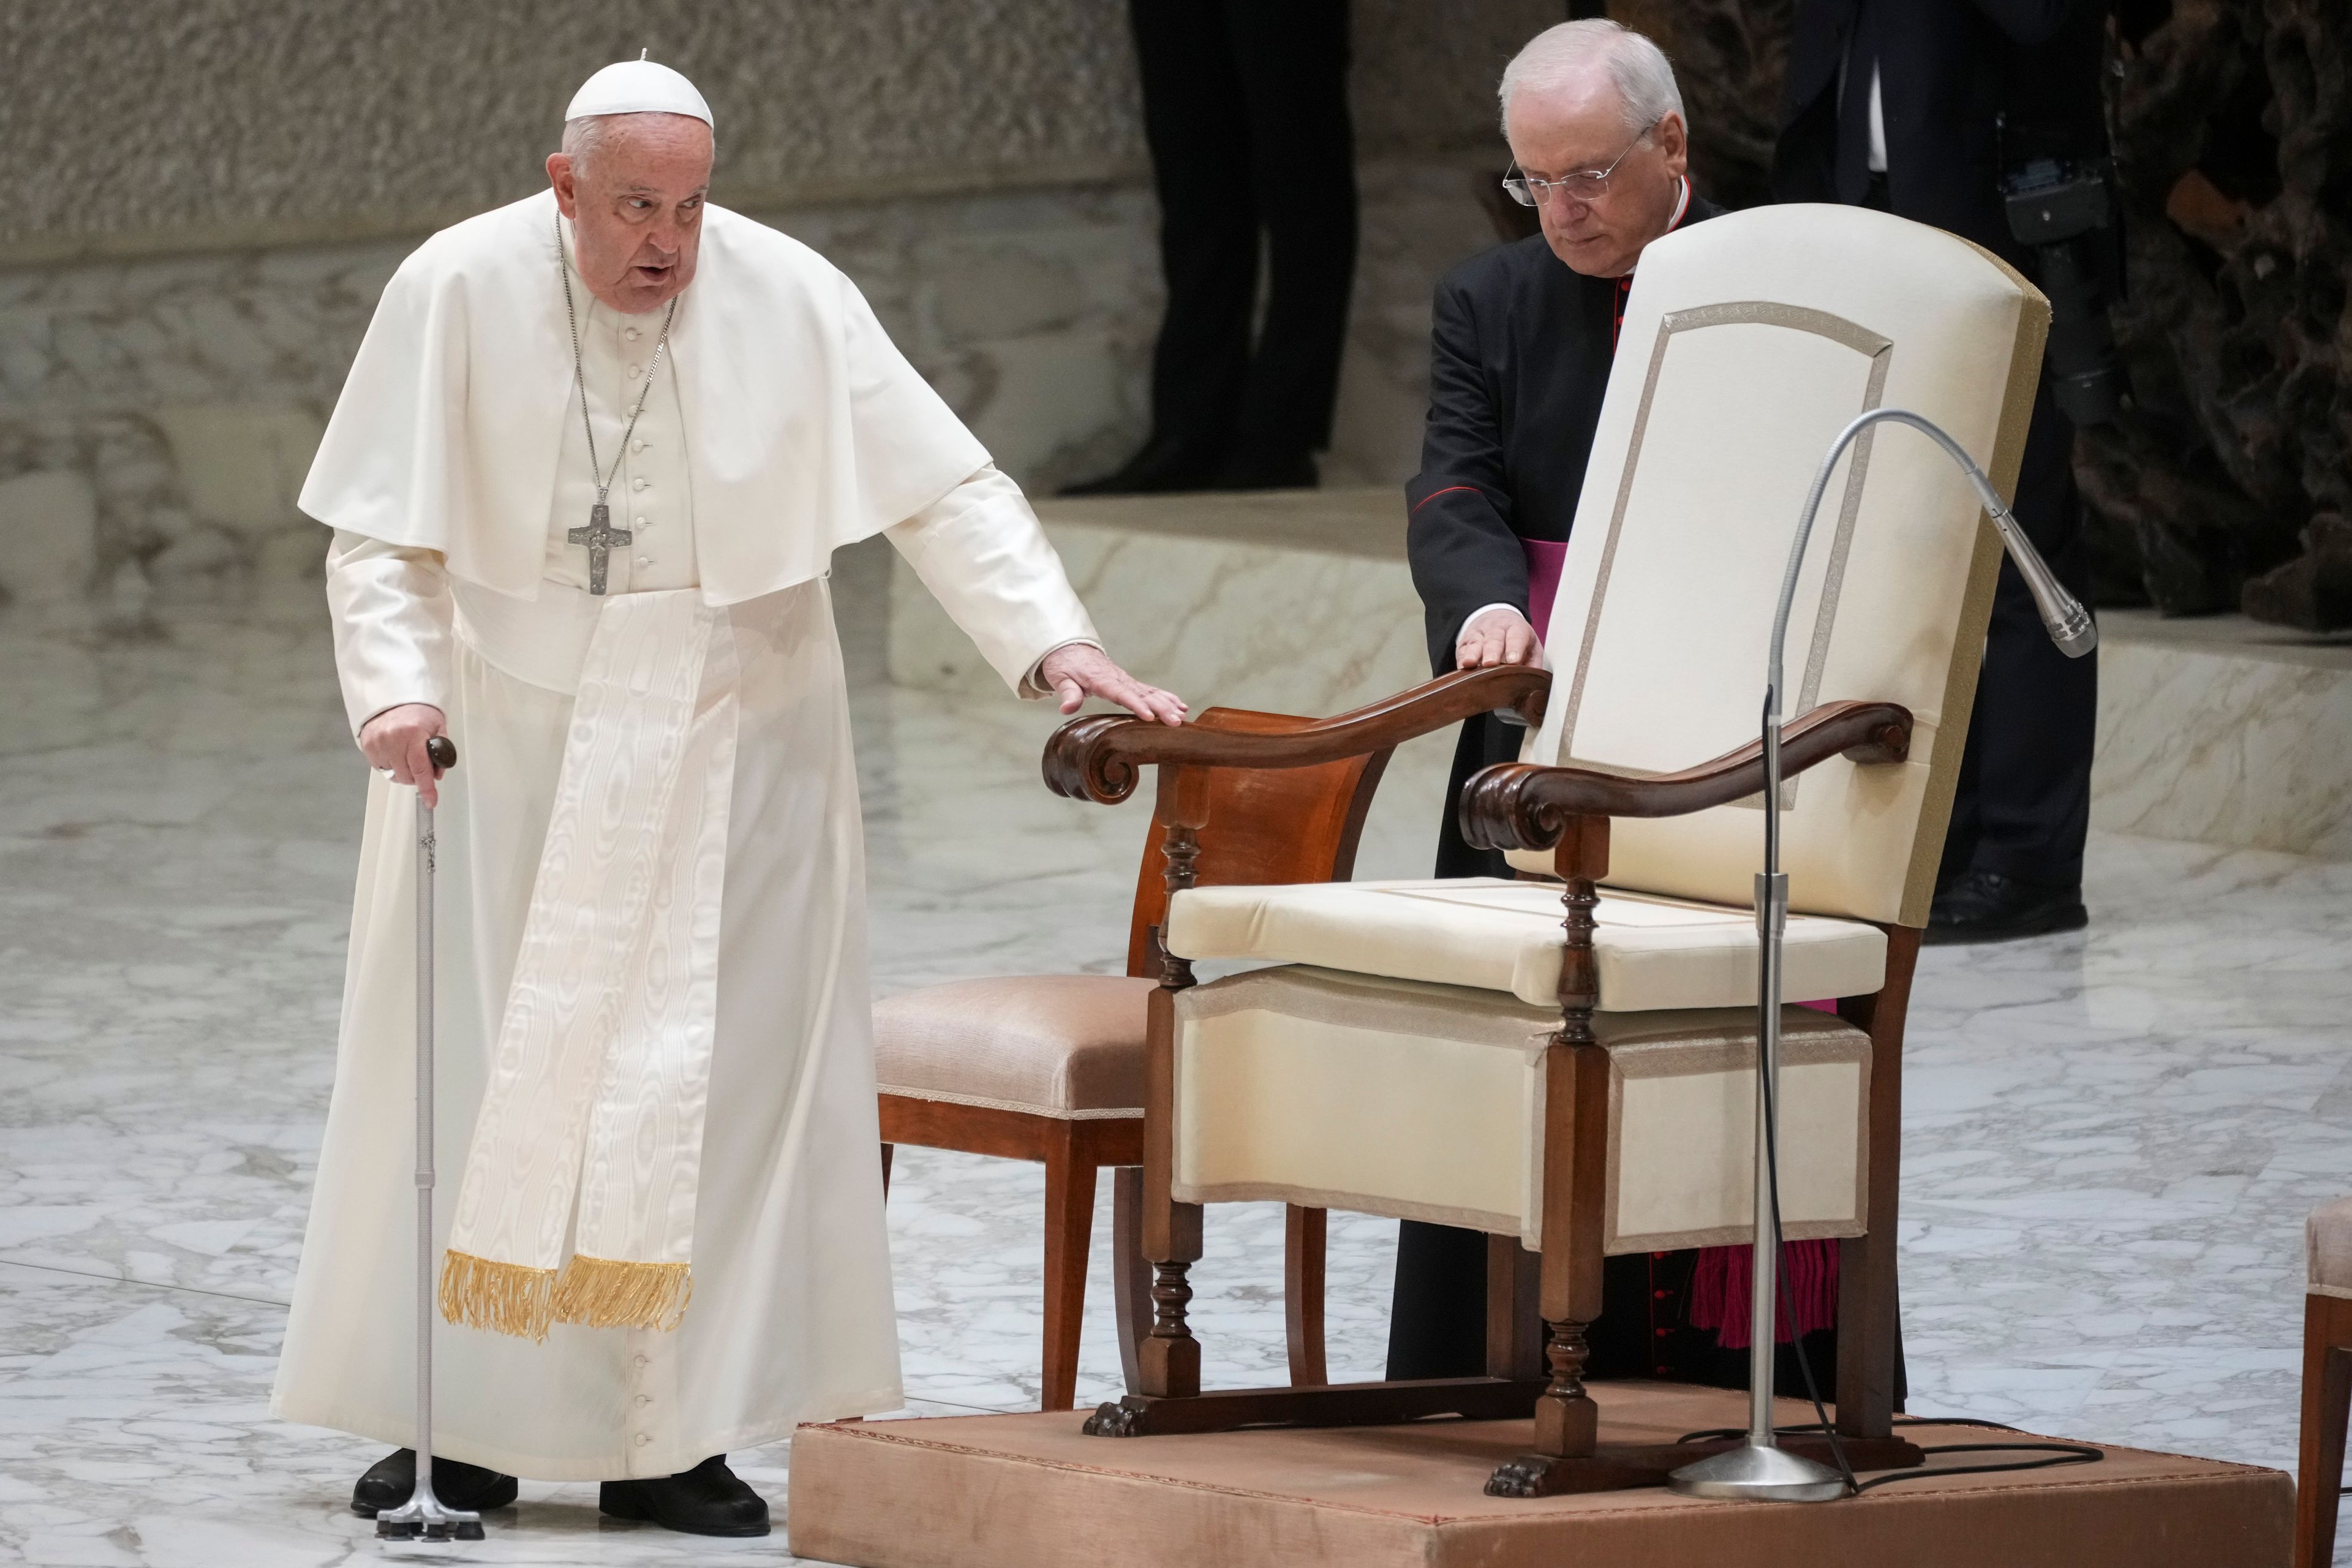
[1520, 348]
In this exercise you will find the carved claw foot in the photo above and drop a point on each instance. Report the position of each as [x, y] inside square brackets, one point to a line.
[1530, 1475]
[1113, 1420]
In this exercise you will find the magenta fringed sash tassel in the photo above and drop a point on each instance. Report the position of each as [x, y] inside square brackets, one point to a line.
[1719, 1284]
[1719, 1287]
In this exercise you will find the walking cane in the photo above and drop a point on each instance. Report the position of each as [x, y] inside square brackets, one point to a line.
[424, 1517]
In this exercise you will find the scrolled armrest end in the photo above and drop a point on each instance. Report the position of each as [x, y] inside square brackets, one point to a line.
[1889, 741]
[1081, 764]
[1501, 809]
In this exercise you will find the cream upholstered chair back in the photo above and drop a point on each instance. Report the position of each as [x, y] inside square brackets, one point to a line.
[1749, 341]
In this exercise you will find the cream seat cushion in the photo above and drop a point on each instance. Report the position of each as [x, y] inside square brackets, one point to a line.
[1496, 935]
[1066, 1045]
[1387, 1097]
[2327, 1236]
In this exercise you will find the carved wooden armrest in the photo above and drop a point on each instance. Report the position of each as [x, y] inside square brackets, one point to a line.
[1522, 806]
[1096, 757]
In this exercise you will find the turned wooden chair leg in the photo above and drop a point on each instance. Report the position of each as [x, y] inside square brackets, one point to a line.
[1304, 1234]
[1169, 1359]
[1070, 1225]
[1169, 1362]
[1569, 1273]
[2326, 1402]
[1575, 1180]
[1130, 1271]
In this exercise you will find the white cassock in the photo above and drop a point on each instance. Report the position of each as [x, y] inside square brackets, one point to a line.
[781, 423]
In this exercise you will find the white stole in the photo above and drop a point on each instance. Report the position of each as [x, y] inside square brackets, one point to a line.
[578, 1199]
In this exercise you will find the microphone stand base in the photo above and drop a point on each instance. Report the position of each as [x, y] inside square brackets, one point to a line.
[1754, 1473]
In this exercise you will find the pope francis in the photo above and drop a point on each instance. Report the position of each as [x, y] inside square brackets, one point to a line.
[585, 479]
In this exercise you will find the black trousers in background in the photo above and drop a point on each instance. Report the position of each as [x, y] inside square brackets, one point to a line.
[2024, 800]
[1246, 110]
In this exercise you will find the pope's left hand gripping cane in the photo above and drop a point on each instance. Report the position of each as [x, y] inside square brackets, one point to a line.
[423, 1517]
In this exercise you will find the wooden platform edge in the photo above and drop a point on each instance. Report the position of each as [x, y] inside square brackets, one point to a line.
[869, 1497]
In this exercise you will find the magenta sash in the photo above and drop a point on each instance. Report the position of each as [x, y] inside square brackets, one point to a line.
[1545, 558]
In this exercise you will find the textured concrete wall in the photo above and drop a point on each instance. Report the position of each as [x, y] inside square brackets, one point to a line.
[143, 125]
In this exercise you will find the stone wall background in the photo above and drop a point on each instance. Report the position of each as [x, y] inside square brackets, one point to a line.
[207, 197]
[152, 124]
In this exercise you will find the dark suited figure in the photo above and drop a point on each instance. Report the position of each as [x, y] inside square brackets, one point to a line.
[1946, 72]
[1246, 110]
[1521, 340]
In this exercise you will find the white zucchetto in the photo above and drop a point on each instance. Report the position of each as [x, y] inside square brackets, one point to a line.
[639, 87]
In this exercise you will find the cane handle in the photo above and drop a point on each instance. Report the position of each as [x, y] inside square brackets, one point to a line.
[443, 752]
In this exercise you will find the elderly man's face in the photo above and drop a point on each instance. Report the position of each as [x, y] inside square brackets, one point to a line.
[1579, 127]
[636, 205]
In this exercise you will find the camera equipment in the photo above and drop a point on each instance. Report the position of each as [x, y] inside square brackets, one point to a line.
[2064, 209]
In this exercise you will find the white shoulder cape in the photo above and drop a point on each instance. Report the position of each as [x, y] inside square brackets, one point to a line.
[806, 428]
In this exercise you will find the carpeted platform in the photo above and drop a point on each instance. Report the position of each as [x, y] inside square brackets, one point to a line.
[1032, 1491]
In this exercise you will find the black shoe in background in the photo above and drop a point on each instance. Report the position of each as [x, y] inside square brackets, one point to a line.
[1162, 468]
[391, 1479]
[705, 1500]
[1985, 906]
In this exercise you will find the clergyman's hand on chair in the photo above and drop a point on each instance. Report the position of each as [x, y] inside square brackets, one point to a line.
[1080, 670]
[395, 740]
[1496, 637]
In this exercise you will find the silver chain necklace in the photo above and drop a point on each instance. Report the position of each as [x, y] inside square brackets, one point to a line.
[600, 536]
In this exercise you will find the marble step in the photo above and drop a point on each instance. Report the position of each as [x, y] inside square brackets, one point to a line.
[2215, 731]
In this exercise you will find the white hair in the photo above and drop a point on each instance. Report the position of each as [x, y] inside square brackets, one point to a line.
[1638, 69]
[585, 137]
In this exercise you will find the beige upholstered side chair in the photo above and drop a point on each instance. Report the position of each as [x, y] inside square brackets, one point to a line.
[1051, 1066]
[1569, 1063]
[2326, 1381]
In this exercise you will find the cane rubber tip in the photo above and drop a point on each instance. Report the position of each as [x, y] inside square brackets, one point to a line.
[442, 751]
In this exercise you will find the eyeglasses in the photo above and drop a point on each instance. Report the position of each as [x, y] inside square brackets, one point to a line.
[1590, 185]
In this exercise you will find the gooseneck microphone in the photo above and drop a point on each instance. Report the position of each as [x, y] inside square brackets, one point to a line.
[1760, 1470]
[2069, 625]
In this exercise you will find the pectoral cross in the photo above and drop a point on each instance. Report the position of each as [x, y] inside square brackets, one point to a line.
[600, 536]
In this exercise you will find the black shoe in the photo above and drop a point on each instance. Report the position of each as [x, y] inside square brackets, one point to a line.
[1295, 471]
[706, 1500]
[391, 1479]
[1985, 906]
[1162, 468]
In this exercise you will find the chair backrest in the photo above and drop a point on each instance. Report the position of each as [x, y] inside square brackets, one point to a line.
[1749, 341]
[1265, 826]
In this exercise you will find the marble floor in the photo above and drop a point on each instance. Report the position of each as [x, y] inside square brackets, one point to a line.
[2112, 1138]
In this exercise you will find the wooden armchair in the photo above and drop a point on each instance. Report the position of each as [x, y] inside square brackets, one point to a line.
[1051, 1067]
[1569, 1063]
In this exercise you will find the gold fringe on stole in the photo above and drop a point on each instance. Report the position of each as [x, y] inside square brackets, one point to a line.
[508, 1298]
[608, 1293]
